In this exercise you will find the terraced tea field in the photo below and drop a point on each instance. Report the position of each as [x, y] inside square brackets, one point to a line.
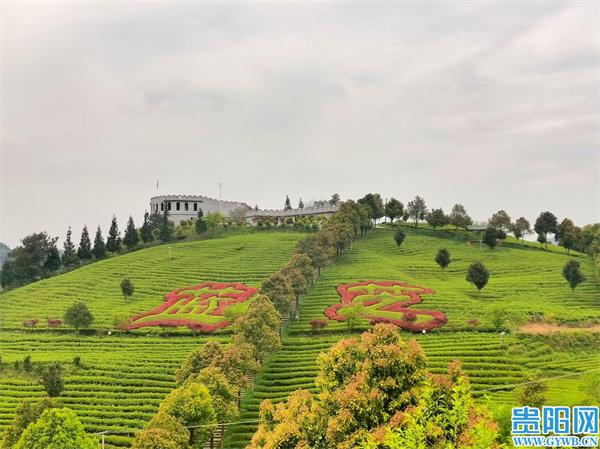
[122, 378]
[245, 258]
[117, 388]
[524, 280]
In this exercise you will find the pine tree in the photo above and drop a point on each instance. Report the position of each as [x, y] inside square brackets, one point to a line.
[52, 262]
[99, 249]
[113, 242]
[300, 204]
[200, 223]
[131, 238]
[69, 257]
[146, 232]
[166, 229]
[84, 252]
[288, 204]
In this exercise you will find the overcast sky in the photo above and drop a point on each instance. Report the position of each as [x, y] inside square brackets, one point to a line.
[493, 105]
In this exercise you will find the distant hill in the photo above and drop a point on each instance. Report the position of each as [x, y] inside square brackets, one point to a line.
[4, 250]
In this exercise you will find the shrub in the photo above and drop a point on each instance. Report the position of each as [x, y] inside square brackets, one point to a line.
[410, 316]
[30, 323]
[54, 322]
[473, 322]
[77, 360]
[316, 324]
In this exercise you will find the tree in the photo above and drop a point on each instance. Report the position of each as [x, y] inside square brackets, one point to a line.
[84, 252]
[298, 282]
[30, 261]
[303, 263]
[52, 380]
[191, 405]
[26, 413]
[459, 217]
[146, 231]
[500, 220]
[498, 317]
[53, 261]
[544, 224]
[417, 209]
[78, 315]
[200, 223]
[163, 432]
[591, 239]
[223, 394]
[318, 248]
[335, 199]
[374, 203]
[443, 258]
[131, 237]
[259, 327]
[520, 228]
[214, 220]
[166, 227]
[478, 275]
[69, 257]
[300, 204]
[127, 288]
[57, 428]
[532, 392]
[437, 218]
[491, 236]
[568, 234]
[572, 273]
[113, 242]
[99, 249]
[279, 290]
[365, 389]
[288, 204]
[399, 237]
[394, 209]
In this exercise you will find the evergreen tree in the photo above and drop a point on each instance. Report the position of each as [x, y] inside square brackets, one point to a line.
[478, 275]
[300, 204]
[572, 273]
[131, 238]
[69, 257]
[200, 223]
[113, 242]
[288, 204]
[399, 237]
[127, 288]
[166, 228]
[53, 261]
[568, 234]
[146, 231]
[84, 252]
[491, 236]
[99, 249]
[53, 380]
[443, 258]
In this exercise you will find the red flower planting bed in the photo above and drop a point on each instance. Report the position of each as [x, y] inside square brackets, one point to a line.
[407, 295]
[188, 306]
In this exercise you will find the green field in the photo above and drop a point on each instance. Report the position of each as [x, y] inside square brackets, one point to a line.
[246, 258]
[123, 377]
[525, 280]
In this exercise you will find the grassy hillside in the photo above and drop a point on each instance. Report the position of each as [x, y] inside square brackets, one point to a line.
[525, 280]
[122, 378]
[246, 258]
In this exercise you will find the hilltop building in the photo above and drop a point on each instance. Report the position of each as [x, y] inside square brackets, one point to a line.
[185, 207]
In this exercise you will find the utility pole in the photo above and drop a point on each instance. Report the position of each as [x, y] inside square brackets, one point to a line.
[220, 192]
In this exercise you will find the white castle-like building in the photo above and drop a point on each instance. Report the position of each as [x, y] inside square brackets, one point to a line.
[185, 207]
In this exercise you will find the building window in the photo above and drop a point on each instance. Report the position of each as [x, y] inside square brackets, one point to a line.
[178, 205]
[162, 206]
[185, 206]
[169, 205]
